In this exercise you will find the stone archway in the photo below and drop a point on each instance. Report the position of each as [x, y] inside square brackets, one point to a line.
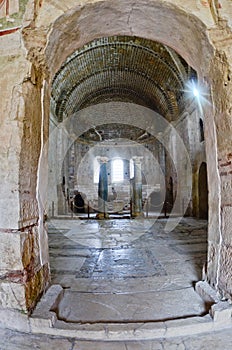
[203, 192]
[146, 19]
[136, 20]
[49, 40]
[170, 194]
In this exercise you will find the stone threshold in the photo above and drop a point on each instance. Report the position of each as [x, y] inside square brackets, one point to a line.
[44, 321]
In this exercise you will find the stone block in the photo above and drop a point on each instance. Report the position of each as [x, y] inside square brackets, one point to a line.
[226, 186]
[36, 285]
[128, 331]
[150, 331]
[212, 264]
[10, 252]
[9, 217]
[222, 312]
[21, 341]
[49, 300]
[226, 225]
[207, 293]
[28, 212]
[193, 325]
[12, 295]
[15, 320]
[72, 330]
[30, 247]
[43, 319]
[225, 271]
[40, 325]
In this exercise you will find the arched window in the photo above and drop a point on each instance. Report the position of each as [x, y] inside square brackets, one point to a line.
[117, 170]
[132, 170]
[96, 170]
[202, 137]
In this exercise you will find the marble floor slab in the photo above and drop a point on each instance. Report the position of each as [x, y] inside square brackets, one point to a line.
[130, 307]
[125, 270]
[11, 340]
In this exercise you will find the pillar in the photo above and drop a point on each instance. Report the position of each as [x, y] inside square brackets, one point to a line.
[102, 188]
[24, 266]
[137, 188]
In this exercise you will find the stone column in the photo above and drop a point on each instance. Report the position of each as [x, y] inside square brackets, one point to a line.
[102, 188]
[137, 188]
[24, 266]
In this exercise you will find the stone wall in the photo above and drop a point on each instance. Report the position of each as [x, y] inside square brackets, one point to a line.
[189, 128]
[191, 150]
[126, 151]
[53, 30]
[71, 163]
[220, 243]
[149, 19]
[24, 272]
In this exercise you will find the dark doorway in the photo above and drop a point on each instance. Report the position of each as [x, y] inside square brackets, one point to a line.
[169, 196]
[202, 137]
[203, 192]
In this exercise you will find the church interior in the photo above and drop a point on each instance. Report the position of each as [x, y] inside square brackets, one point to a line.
[116, 174]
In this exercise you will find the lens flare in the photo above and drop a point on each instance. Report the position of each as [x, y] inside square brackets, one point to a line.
[196, 92]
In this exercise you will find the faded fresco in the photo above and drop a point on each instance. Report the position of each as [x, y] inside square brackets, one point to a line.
[11, 13]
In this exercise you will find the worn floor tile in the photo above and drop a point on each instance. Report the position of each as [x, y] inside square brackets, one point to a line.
[116, 270]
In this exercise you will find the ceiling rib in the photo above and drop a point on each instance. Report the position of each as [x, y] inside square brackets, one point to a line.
[121, 68]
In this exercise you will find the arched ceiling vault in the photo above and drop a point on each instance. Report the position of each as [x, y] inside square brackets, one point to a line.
[121, 68]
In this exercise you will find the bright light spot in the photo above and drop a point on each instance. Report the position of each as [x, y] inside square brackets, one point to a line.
[96, 170]
[117, 170]
[195, 92]
[132, 169]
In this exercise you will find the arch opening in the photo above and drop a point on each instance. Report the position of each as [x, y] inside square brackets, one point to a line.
[169, 102]
[203, 192]
[198, 54]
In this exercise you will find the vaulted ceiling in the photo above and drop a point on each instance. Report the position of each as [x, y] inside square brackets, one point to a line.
[121, 68]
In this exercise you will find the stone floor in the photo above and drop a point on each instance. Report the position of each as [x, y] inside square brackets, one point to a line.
[127, 270]
[118, 271]
[10, 340]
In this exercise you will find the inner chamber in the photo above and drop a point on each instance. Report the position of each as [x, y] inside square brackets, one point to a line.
[120, 98]
[126, 143]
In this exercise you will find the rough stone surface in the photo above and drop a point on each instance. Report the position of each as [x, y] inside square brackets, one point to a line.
[36, 285]
[218, 339]
[19, 159]
[222, 312]
[20, 341]
[226, 225]
[126, 274]
[24, 65]
[225, 277]
[137, 26]
[49, 301]
[13, 69]
[12, 295]
[206, 292]
[14, 320]
[10, 252]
